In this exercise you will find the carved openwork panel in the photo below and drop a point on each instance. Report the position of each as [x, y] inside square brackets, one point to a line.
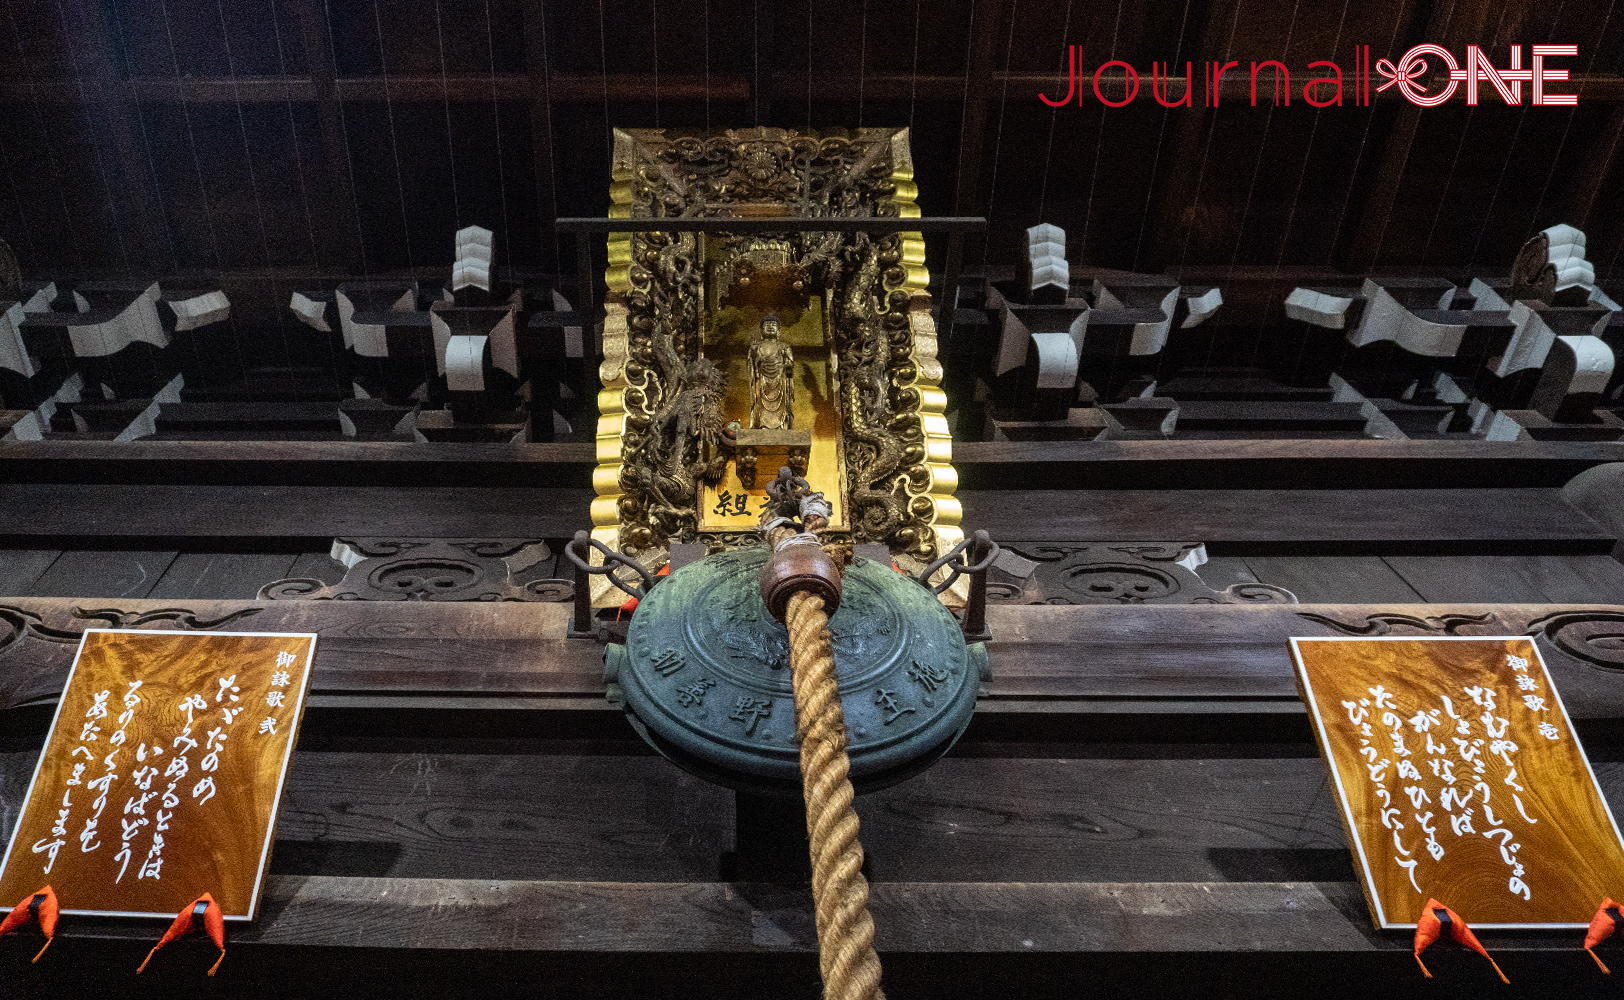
[1116, 573]
[17, 623]
[429, 569]
[1594, 635]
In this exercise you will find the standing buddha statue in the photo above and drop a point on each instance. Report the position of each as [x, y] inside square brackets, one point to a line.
[772, 364]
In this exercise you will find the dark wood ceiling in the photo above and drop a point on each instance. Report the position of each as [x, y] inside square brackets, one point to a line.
[149, 136]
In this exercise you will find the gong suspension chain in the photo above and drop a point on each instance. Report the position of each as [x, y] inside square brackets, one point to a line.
[846, 957]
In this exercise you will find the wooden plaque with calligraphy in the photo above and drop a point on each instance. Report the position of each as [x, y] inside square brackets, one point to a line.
[162, 771]
[1459, 777]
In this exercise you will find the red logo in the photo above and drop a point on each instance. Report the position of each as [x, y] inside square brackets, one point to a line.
[1121, 81]
[1506, 82]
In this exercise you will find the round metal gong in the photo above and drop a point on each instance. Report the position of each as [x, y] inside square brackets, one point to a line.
[705, 674]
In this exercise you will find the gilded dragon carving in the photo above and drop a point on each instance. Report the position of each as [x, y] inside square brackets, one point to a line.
[674, 422]
[872, 344]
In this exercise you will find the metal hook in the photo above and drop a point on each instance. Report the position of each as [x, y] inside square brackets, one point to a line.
[983, 551]
[980, 543]
[612, 560]
[578, 551]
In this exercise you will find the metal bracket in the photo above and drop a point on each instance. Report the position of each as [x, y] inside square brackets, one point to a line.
[982, 552]
[578, 551]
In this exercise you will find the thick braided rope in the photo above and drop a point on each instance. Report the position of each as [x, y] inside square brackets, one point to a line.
[850, 967]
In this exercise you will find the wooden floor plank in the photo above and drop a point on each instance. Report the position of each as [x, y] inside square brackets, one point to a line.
[639, 819]
[1579, 578]
[629, 819]
[733, 918]
[1219, 572]
[1237, 521]
[1334, 579]
[1557, 579]
[19, 568]
[1264, 521]
[1044, 658]
[1258, 464]
[316, 566]
[90, 573]
[1087, 465]
[292, 513]
[221, 576]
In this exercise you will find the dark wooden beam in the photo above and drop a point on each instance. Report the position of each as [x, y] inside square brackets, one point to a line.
[721, 918]
[1378, 207]
[764, 49]
[1453, 25]
[541, 121]
[987, 22]
[982, 465]
[1046, 659]
[987, 19]
[87, 27]
[577, 88]
[298, 518]
[458, 88]
[315, 35]
[1277, 464]
[1322, 520]
[1591, 180]
[295, 517]
[297, 463]
[1179, 176]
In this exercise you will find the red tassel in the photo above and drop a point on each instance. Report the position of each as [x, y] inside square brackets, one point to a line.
[1434, 919]
[45, 910]
[631, 605]
[1602, 926]
[214, 924]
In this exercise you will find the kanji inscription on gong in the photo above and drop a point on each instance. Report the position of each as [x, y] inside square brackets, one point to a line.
[1459, 777]
[162, 771]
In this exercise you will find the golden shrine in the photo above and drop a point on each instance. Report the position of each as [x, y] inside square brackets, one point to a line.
[692, 335]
